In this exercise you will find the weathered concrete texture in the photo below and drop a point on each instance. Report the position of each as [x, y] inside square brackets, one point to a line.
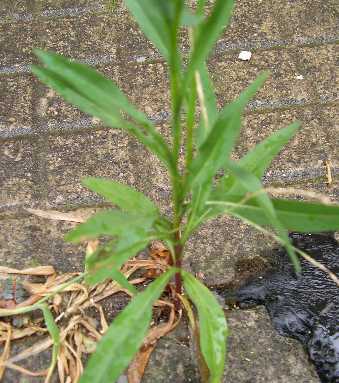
[286, 19]
[17, 171]
[255, 354]
[47, 146]
[13, 52]
[15, 102]
[316, 65]
[34, 241]
[258, 355]
[310, 147]
[217, 246]
[172, 360]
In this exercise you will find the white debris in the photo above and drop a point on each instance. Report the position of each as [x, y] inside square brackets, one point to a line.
[299, 77]
[245, 55]
[141, 59]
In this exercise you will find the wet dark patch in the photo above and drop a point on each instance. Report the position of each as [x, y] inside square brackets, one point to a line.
[304, 307]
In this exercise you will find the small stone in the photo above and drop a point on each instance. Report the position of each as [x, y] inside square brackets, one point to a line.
[299, 77]
[245, 55]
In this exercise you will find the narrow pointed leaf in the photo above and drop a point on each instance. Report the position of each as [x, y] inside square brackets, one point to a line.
[154, 18]
[258, 159]
[92, 84]
[54, 332]
[100, 264]
[190, 19]
[119, 277]
[299, 216]
[212, 324]
[217, 146]
[111, 223]
[56, 82]
[52, 328]
[124, 336]
[124, 196]
[210, 105]
[252, 184]
[208, 33]
[83, 86]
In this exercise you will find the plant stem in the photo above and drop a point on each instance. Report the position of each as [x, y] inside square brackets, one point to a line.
[178, 282]
[178, 262]
[191, 103]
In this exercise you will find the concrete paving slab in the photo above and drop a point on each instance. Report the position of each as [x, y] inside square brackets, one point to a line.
[15, 104]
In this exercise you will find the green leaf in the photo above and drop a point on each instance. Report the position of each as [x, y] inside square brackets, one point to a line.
[252, 184]
[111, 223]
[212, 323]
[208, 33]
[190, 19]
[50, 324]
[94, 94]
[154, 18]
[100, 264]
[210, 105]
[91, 84]
[299, 216]
[119, 277]
[54, 332]
[53, 80]
[121, 195]
[197, 209]
[217, 146]
[124, 336]
[200, 6]
[257, 160]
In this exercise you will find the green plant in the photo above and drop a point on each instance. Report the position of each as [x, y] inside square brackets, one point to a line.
[197, 195]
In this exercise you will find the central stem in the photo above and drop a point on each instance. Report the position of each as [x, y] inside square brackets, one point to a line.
[178, 263]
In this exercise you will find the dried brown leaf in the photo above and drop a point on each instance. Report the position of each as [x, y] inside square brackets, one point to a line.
[6, 352]
[25, 371]
[19, 333]
[39, 270]
[78, 217]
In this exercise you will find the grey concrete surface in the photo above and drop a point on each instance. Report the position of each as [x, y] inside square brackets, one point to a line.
[47, 146]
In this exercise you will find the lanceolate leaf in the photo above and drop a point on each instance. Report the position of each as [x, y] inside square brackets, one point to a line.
[54, 332]
[121, 195]
[212, 323]
[111, 223]
[209, 110]
[125, 335]
[252, 184]
[260, 157]
[119, 277]
[217, 146]
[94, 94]
[92, 84]
[154, 18]
[299, 216]
[257, 160]
[190, 19]
[100, 264]
[208, 32]
[51, 325]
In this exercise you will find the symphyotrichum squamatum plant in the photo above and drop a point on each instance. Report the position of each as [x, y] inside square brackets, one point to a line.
[207, 136]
